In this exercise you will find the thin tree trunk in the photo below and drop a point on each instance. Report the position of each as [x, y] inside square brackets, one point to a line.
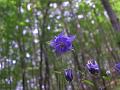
[21, 48]
[41, 44]
[47, 72]
[113, 18]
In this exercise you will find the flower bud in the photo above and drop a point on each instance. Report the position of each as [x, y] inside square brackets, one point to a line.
[68, 74]
[93, 67]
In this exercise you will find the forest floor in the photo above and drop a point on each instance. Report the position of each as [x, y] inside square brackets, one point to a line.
[117, 88]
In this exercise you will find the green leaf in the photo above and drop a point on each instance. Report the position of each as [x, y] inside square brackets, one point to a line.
[106, 77]
[58, 72]
[88, 82]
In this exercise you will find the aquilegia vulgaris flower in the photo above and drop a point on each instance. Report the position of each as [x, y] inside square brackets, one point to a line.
[93, 67]
[117, 67]
[62, 43]
[68, 74]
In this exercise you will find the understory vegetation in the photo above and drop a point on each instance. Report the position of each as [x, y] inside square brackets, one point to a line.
[59, 44]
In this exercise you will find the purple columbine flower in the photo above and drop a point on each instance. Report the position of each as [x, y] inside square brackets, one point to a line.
[93, 67]
[117, 67]
[68, 74]
[62, 43]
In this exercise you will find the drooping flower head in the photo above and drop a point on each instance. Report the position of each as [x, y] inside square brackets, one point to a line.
[62, 43]
[117, 67]
[93, 67]
[68, 74]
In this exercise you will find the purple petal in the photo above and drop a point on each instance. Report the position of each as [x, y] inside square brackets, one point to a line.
[72, 38]
[52, 44]
[61, 34]
[117, 67]
[70, 47]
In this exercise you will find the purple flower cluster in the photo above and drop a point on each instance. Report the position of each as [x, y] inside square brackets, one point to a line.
[93, 67]
[62, 43]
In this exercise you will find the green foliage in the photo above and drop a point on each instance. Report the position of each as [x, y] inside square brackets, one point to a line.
[88, 82]
[19, 20]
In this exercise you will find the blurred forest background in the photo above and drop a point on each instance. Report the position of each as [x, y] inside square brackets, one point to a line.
[27, 62]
